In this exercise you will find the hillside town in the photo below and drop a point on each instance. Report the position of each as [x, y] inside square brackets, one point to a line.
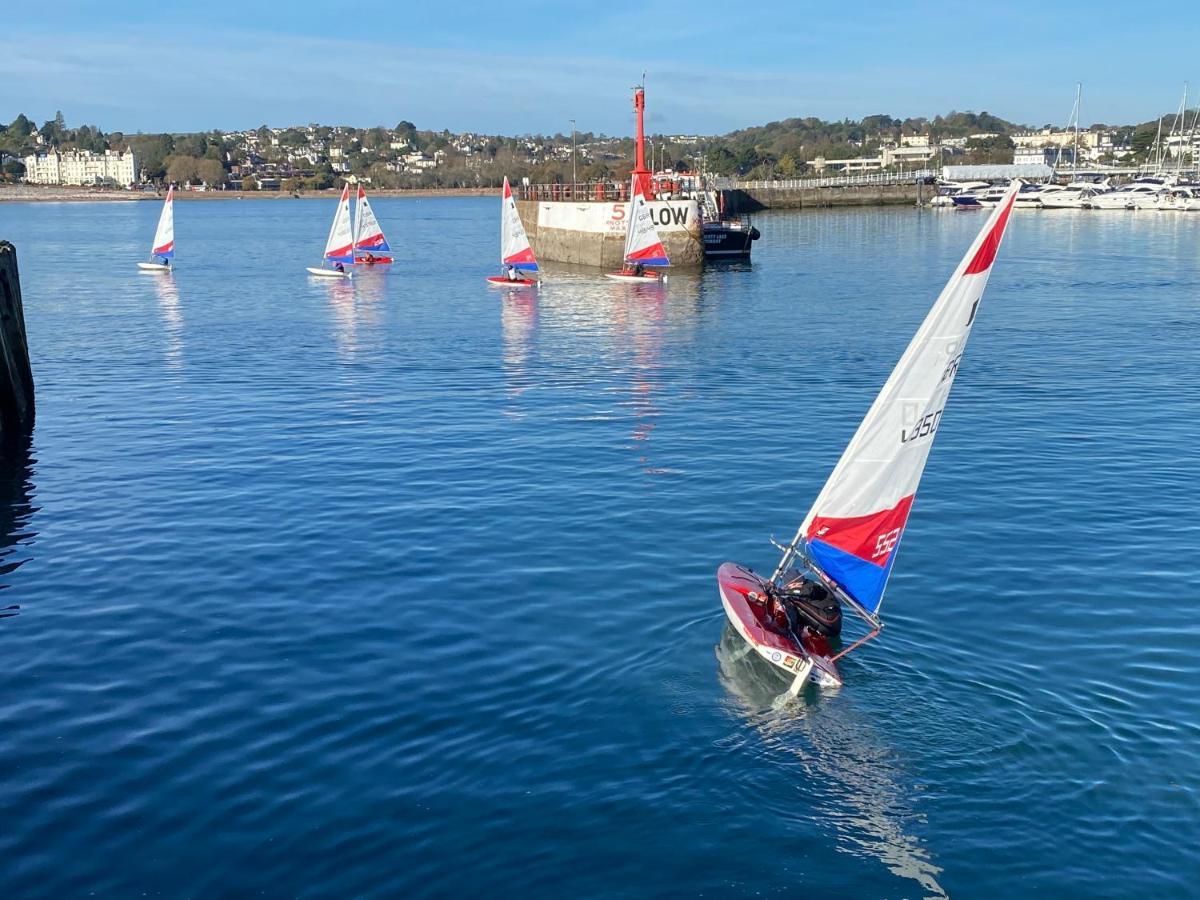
[313, 157]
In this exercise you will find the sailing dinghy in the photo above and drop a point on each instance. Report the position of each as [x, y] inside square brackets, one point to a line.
[162, 251]
[643, 246]
[516, 255]
[848, 542]
[370, 243]
[339, 246]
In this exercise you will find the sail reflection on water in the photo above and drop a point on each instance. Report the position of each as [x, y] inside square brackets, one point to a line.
[851, 775]
[600, 336]
[518, 327]
[166, 291]
[357, 308]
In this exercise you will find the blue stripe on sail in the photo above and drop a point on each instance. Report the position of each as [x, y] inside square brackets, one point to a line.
[382, 245]
[344, 259]
[864, 581]
[653, 261]
[525, 266]
[166, 254]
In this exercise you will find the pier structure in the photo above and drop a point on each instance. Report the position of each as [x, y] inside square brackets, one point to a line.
[585, 224]
[877, 189]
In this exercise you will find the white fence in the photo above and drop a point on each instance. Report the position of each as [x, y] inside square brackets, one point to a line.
[796, 184]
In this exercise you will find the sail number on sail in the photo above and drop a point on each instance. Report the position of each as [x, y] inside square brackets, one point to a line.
[927, 425]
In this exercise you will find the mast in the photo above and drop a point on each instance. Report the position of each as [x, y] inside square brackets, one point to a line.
[1158, 146]
[357, 221]
[1074, 117]
[1179, 122]
[1075, 154]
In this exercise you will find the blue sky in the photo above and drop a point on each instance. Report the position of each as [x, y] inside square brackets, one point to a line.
[516, 68]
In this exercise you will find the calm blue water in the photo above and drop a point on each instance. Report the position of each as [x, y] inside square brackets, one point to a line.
[405, 587]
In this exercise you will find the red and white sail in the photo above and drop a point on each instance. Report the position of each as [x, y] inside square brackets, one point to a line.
[854, 529]
[164, 236]
[515, 250]
[339, 246]
[370, 237]
[642, 243]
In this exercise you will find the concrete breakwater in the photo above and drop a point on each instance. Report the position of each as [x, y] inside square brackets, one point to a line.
[753, 199]
[592, 233]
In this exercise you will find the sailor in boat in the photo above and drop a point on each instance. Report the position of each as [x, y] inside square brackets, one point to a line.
[164, 261]
[338, 267]
[801, 603]
[511, 272]
[369, 259]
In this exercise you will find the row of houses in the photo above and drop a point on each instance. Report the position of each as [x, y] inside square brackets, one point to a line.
[1046, 146]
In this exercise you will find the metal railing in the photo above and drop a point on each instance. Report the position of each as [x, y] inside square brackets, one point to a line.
[600, 191]
[795, 184]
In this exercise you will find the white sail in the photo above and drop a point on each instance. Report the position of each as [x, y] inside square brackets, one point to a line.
[515, 250]
[854, 528]
[339, 246]
[642, 243]
[164, 235]
[369, 235]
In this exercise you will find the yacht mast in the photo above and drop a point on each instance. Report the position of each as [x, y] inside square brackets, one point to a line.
[1158, 146]
[1180, 116]
[1075, 154]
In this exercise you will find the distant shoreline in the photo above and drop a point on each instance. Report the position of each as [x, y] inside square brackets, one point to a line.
[28, 193]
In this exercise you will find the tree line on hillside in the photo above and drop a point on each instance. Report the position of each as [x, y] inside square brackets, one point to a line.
[302, 157]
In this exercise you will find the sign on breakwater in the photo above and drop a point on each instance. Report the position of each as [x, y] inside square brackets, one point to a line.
[592, 233]
[610, 218]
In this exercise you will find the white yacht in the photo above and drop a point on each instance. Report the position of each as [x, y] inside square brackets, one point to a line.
[1141, 193]
[1181, 198]
[1072, 196]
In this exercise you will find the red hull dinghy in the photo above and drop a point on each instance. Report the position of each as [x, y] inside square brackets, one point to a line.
[643, 246]
[516, 254]
[848, 542]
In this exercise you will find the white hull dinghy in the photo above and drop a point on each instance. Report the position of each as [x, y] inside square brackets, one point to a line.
[339, 246]
[848, 542]
[162, 251]
[643, 246]
[648, 277]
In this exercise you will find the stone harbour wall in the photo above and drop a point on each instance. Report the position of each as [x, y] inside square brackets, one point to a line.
[593, 233]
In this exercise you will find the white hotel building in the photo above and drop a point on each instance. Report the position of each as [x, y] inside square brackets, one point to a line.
[81, 167]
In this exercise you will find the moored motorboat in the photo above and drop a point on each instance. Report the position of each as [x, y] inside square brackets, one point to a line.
[847, 544]
[947, 191]
[1074, 195]
[1138, 194]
